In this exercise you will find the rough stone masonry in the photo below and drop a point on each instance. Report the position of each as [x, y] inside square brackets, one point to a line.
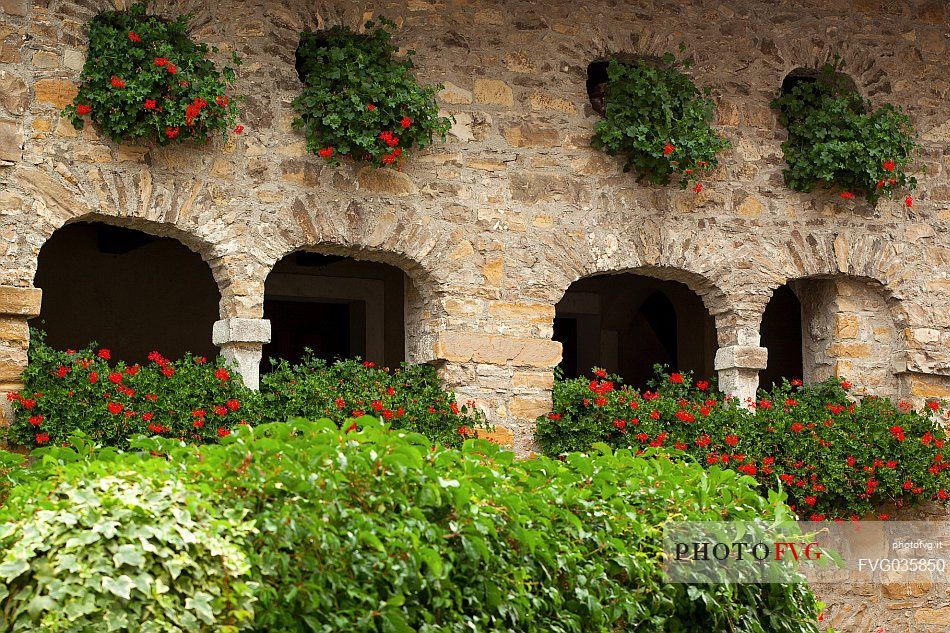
[494, 225]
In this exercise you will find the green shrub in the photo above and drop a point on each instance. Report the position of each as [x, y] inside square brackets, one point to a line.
[835, 458]
[658, 120]
[145, 78]
[199, 401]
[121, 552]
[380, 530]
[409, 398]
[80, 390]
[837, 139]
[360, 101]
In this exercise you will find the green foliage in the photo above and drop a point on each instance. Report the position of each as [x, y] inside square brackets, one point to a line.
[121, 552]
[410, 398]
[360, 101]
[195, 400]
[80, 390]
[144, 78]
[835, 458]
[837, 139]
[659, 121]
[380, 530]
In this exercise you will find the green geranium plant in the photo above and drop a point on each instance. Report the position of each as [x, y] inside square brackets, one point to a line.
[360, 100]
[144, 78]
[657, 118]
[836, 138]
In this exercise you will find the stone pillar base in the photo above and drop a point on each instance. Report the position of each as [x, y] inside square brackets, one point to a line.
[738, 367]
[242, 342]
[17, 305]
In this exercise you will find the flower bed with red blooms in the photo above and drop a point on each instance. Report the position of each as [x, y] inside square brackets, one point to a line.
[144, 78]
[360, 101]
[836, 458]
[409, 398]
[193, 399]
[201, 401]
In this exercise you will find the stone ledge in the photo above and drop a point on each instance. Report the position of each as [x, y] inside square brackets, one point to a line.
[17, 301]
[235, 330]
[497, 349]
[742, 357]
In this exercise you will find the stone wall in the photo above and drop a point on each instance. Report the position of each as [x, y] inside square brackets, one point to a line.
[494, 225]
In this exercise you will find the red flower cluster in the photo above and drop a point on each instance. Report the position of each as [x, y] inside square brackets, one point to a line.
[326, 152]
[193, 110]
[83, 109]
[117, 83]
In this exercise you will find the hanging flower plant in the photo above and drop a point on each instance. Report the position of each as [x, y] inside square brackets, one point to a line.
[837, 139]
[360, 101]
[145, 79]
[659, 120]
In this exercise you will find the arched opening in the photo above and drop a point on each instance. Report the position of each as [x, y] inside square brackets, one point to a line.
[626, 323]
[336, 306]
[129, 291]
[846, 329]
[833, 80]
[781, 334]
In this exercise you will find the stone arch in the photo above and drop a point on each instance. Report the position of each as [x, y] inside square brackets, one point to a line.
[863, 65]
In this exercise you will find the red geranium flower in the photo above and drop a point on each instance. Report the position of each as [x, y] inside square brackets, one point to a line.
[117, 83]
[83, 109]
[668, 149]
[223, 432]
[238, 129]
[104, 354]
[405, 122]
[847, 195]
[698, 187]
[36, 420]
[172, 132]
[115, 408]
[676, 378]
[889, 165]
[172, 69]
[909, 201]
[326, 152]
[161, 61]
[233, 405]
[134, 37]
[370, 107]
[41, 438]
[222, 374]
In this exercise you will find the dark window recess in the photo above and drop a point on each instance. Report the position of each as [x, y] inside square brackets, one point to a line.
[300, 325]
[811, 75]
[782, 335]
[116, 240]
[565, 333]
[299, 61]
[597, 85]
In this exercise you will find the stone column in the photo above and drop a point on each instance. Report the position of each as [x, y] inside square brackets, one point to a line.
[738, 367]
[242, 342]
[16, 306]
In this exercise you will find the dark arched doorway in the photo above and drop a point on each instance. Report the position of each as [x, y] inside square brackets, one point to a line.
[129, 291]
[627, 323]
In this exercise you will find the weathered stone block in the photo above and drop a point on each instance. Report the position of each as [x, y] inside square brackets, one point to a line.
[235, 330]
[497, 349]
[518, 312]
[493, 92]
[522, 408]
[533, 187]
[939, 616]
[14, 94]
[499, 435]
[46, 59]
[850, 350]
[544, 101]
[387, 181]
[741, 356]
[533, 380]
[14, 7]
[847, 325]
[11, 141]
[454, 95]
[57, 92]
[19, 301]
[530, 134]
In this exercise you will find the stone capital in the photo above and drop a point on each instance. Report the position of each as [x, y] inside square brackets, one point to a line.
[17, 301]
[235, 330]
[741, 357]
